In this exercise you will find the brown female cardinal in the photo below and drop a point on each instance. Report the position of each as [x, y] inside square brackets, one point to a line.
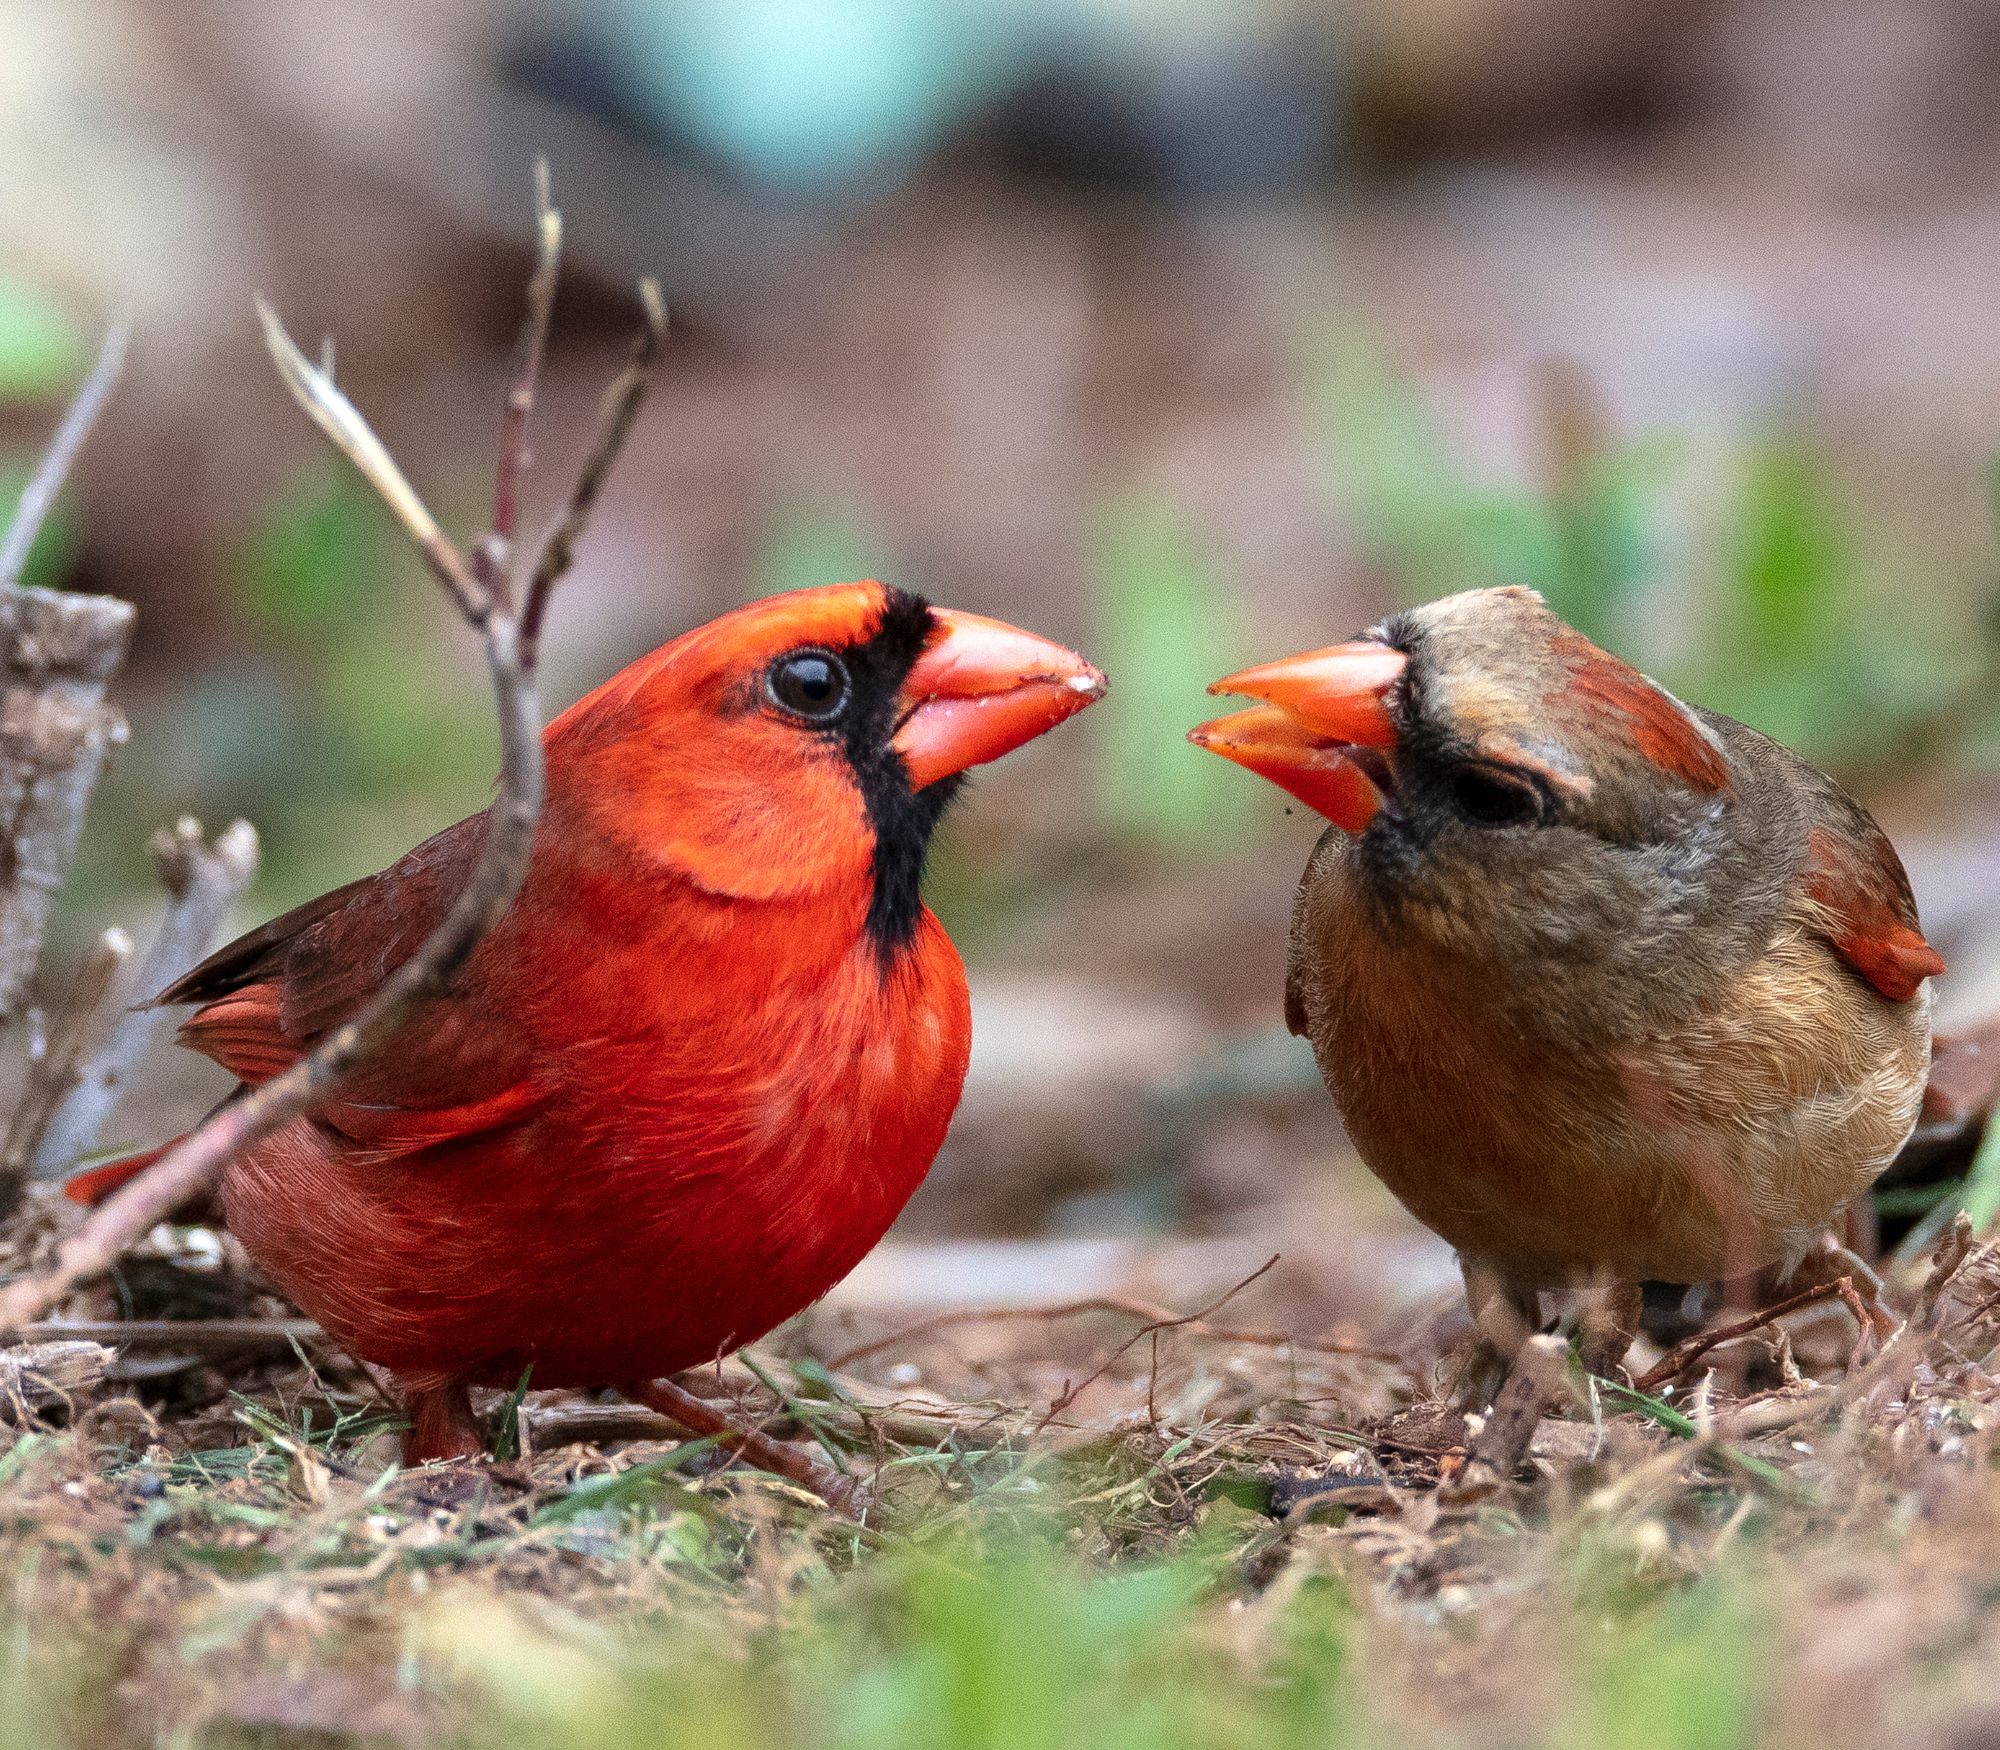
[702, 1062]
[1607, 987]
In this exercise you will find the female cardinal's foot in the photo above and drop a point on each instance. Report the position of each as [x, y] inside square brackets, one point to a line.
[1607, 1319]
[1504, 1316]
[699, 1416]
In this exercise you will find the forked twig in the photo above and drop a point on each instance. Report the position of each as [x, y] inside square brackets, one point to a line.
[1686, 1353]
[1070, 1393]
[493, 556]
[614, 419]
[1156, 1317]
[196, 1161]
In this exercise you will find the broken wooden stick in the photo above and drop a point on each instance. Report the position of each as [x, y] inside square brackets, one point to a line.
[202, 881]
[57, 651]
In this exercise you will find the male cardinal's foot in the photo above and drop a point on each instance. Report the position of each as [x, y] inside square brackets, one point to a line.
[441, 1425]
[699, 1416]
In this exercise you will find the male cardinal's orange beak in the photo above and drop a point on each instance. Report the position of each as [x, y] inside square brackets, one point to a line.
[980, 689]
[1318, 708]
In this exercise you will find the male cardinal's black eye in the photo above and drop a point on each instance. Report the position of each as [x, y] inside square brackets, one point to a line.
[809, 684]
[1494, 801]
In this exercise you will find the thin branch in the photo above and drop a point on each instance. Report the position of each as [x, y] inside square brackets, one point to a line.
[194, 1163]
[1070, 1393]
[313, 389]
[674, 1401]
[620, 407]
[493, 556]
[60, 456]
[183, 1336]
[202, 882]
[1686, 1353]
[1156, 1317]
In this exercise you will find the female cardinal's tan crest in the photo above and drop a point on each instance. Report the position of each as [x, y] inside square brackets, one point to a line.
[1606, 985]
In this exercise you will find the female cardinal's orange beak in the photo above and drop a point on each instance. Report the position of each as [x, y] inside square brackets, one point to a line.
[979, 690]
[1318, 708]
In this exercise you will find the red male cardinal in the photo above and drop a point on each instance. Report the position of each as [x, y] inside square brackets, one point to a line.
[703, 1061]
[1606, 986]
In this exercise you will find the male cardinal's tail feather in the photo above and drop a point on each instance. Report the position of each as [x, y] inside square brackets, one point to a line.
[98, 1183]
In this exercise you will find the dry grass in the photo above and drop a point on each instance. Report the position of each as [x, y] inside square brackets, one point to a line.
[1217, 1541]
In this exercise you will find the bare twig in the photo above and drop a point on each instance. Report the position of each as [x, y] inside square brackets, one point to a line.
[53, 1072]
[493, 556]
[1173, 1322]
[60, 456]
[183, 1336]
[1896, 1362]
[1684, 1355]
[674, 1401]
[196, 1161]
[1156, 1317]
[614, 420]
[312, 388]
[202, 882]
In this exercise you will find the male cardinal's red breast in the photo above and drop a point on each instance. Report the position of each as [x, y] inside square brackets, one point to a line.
[705, 1058]
[1605, 985]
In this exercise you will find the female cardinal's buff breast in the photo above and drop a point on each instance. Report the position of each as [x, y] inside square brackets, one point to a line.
[1601, 982]
[708, 1054]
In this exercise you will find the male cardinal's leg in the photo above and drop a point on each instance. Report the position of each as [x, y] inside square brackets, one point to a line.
[1504, 1316]
[699, 1416]
[1607, 1319]
[441, 1424]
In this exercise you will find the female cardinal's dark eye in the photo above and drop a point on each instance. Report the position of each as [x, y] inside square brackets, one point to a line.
[1494, 801]
[809, 684]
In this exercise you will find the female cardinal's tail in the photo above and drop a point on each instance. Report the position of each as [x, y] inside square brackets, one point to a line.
[97, 1183]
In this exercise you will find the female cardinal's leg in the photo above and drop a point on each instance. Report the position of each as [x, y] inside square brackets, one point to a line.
[699, 1416]
[1504, 1316]
[1607, 1319]
[441, 1424]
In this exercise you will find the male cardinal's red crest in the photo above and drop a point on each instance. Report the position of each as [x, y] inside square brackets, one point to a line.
[703, 1061]
[1604, 984]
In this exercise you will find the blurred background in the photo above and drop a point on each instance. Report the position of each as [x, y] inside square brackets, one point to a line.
[1189, 332]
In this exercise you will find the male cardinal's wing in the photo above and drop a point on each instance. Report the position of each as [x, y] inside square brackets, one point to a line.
[1861, 901]
[269, 997]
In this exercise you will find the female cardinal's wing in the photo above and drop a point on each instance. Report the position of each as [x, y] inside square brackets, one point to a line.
[460, 1066]
[1861, 900]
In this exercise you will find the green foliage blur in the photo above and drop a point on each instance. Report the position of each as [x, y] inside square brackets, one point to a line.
[1012, 1642]
[1758, 603]
[1166, 629]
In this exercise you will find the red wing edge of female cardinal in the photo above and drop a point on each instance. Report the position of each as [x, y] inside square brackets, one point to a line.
[1607, 987]
[703, 1061]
